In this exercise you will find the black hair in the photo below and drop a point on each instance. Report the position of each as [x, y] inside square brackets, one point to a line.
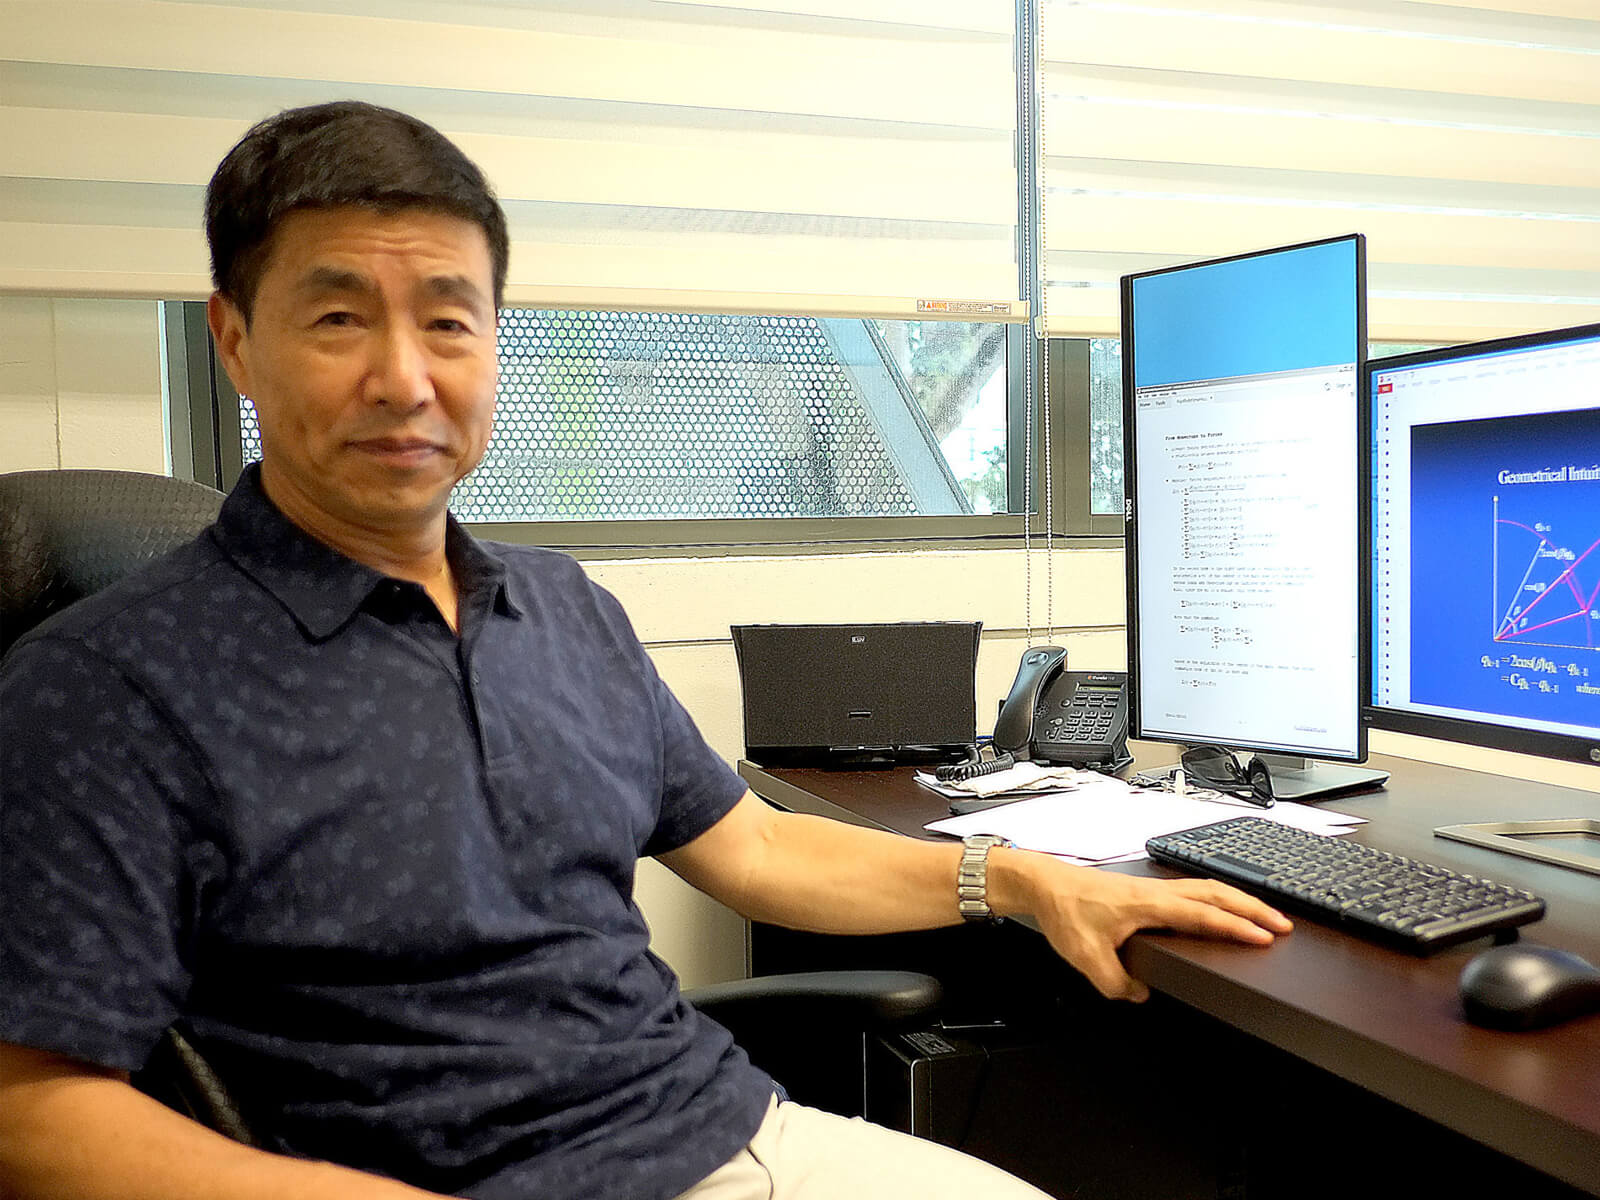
[346, 153]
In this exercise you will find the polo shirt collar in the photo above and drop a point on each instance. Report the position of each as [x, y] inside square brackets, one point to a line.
[478, 569]
[320, 587]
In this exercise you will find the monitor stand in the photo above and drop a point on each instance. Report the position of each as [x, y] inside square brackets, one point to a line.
[1296, 778]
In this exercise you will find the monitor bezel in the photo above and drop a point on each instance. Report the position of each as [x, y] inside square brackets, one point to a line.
[1461, 730]
[1130, 507]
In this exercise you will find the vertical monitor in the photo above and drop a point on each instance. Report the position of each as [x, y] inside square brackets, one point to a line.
[1485, 509]
[1246, 572]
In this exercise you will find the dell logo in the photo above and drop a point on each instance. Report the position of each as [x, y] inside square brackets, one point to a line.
[857, 639]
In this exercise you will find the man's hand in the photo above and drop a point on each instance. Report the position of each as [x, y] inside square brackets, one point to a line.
[1088, 913]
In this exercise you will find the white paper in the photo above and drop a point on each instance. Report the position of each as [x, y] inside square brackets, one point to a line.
[1104, 820]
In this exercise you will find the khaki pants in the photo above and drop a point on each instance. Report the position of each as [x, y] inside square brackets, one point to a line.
[803, 1153]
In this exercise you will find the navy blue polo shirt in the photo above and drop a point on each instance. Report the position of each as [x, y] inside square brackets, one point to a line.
[384, 874]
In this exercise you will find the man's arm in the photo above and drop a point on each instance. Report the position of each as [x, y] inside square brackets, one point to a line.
[71, 1131]
[811, 873]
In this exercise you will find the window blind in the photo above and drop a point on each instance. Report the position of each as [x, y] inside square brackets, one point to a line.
[807, 156]
[1462, 138]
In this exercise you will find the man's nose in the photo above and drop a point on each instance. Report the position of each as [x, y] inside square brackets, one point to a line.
[399, 377]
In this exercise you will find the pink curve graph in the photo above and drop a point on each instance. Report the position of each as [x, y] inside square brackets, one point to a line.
[1511, 628]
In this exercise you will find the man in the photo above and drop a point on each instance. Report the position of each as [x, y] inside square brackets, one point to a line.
[360, 798]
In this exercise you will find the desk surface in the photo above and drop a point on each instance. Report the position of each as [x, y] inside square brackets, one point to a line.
[1379, 1018]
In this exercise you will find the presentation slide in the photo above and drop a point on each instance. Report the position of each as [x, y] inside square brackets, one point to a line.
[1505, 566]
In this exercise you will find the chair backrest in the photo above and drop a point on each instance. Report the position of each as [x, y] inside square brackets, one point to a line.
[67, 534]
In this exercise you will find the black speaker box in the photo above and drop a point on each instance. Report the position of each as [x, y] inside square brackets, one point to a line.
[821, 695]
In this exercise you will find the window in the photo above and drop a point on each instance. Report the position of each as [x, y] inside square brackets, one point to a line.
[1460, 138]
[1105, 426]
[789, 156]
[607, 416]
[765, 282]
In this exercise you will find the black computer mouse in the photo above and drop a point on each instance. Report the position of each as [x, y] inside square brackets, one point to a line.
[1528, 986]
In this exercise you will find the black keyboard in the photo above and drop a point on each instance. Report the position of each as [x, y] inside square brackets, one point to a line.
[1387, 897]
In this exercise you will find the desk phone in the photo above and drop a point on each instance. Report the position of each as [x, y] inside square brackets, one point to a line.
[1062, 716]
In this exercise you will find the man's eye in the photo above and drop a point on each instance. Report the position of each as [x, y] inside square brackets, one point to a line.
[336, 318]
[448, 325]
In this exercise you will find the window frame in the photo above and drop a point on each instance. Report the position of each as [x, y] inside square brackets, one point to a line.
[1071, 380]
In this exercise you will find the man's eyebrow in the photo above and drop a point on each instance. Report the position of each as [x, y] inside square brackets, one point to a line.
[459, 288]
[336, 279]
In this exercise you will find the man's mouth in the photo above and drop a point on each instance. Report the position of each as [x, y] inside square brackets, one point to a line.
[399, 449]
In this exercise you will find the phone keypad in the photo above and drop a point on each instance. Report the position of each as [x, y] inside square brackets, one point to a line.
[1086, 717]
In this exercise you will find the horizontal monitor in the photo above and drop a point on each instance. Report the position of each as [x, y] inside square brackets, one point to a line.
[1485, 492]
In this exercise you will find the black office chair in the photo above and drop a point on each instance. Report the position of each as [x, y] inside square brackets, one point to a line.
[65, 534]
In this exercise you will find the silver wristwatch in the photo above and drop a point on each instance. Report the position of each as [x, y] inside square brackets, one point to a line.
[972, 877]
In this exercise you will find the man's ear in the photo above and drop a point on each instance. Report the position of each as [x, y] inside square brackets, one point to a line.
[229, 331]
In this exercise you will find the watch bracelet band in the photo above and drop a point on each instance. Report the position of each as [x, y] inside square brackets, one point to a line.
[972, 877]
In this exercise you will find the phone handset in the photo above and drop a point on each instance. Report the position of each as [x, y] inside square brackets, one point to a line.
[1013, 732]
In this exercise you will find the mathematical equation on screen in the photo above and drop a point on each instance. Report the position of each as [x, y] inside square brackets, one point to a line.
[1539, 673]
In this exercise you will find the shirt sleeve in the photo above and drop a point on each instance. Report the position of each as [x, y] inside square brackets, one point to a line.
[92, 918]
[698, 786]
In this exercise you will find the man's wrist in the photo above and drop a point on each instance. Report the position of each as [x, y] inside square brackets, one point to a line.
[1012, 881]
[972, 877]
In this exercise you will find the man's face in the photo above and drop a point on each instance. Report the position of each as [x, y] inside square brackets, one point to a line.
[371, 359]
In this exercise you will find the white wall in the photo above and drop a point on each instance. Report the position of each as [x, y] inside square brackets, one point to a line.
[80, 385]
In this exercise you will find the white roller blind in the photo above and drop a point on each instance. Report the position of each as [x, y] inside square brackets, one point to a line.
[1462, 138]
[772, 155]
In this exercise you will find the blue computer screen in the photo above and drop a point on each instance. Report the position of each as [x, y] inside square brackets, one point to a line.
[1287, 311]
[1486, 539]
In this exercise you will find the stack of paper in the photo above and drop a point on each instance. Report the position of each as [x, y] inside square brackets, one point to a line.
[1104, 820]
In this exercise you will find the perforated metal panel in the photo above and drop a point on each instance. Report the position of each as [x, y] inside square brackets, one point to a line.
[608, 415]
[249, 431]
[1105, 426]
[633, 415]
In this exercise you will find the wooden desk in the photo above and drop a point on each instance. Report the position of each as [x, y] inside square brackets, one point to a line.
[1385, 1021]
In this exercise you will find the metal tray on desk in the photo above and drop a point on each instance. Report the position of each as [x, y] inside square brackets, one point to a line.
[1508, 836]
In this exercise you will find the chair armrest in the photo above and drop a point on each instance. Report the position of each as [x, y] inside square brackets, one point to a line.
[810, 1031]
[180, 1078]
[854, 1000]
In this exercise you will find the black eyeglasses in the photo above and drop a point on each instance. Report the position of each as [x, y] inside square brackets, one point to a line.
[1218, 767]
